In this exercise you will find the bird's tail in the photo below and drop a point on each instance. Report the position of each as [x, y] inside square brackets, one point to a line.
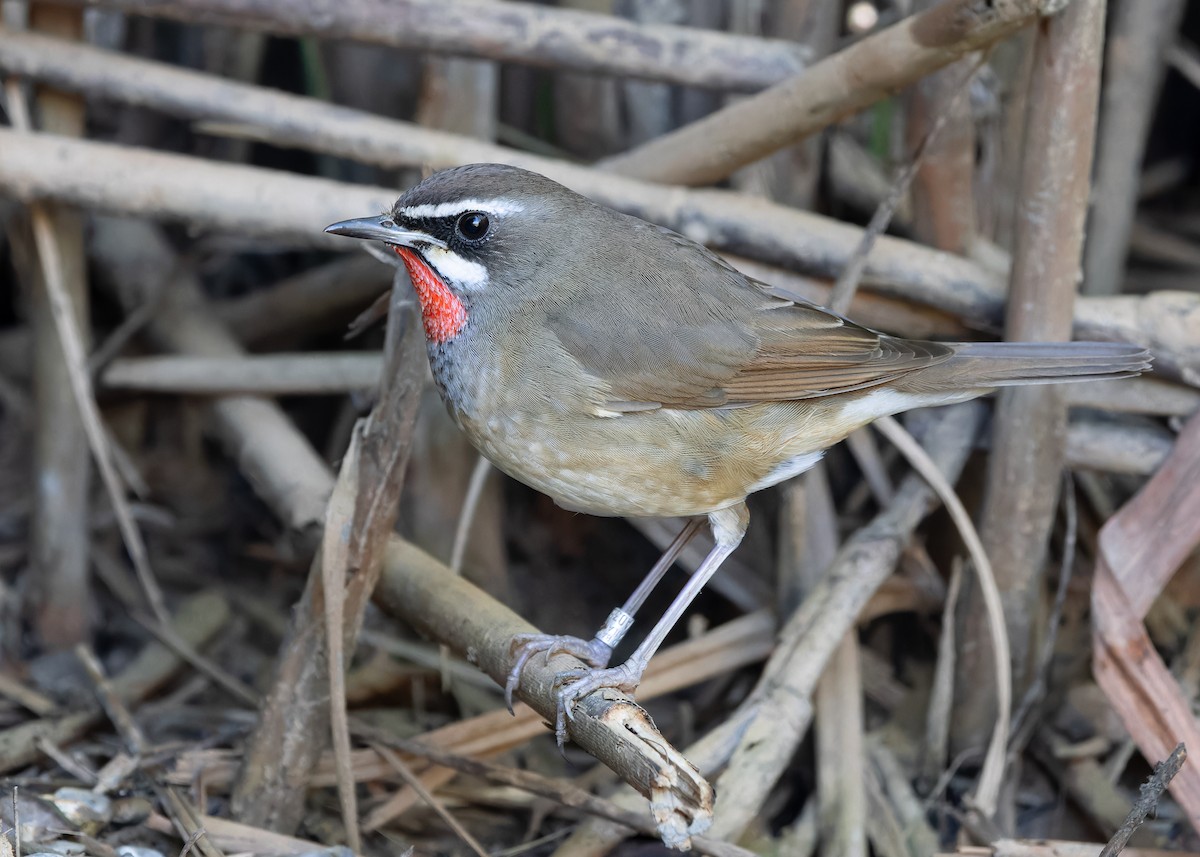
[985, 365]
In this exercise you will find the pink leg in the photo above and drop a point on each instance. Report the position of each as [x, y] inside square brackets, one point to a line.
[597, 651]
[728, 525]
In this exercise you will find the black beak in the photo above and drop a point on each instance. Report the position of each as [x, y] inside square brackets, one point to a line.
[383, 228]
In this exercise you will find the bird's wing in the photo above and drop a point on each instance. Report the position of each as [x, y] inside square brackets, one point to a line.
[805, 351]
[734, 342]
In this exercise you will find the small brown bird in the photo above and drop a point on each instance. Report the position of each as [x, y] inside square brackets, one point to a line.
[624, 369]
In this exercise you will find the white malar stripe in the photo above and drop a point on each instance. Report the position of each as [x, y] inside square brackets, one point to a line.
[494, 207]
[465, 274]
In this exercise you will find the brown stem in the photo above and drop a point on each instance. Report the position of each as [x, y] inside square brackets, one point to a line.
[1029, 434]
[59, 537]
[710, 149]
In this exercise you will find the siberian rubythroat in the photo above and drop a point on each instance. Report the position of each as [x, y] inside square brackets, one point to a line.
[624, 369]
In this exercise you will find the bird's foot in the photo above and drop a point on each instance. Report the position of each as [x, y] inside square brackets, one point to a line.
[574, 685]
[524, 646]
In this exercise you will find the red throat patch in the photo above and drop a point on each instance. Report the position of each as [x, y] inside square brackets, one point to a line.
[442, 312]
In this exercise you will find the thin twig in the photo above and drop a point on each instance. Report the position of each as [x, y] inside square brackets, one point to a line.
[77, 371]
[479, 477]
[118, 713]
[26, 697]
[941, 694]
[1151, 791]
[415, 784]
[991, 777]
[1037, 688]
[188, 822]
[851, 275]
[712, 148]
[458, 550]
[362, 512]
[333, 580]
[169, 637]
[566, 793]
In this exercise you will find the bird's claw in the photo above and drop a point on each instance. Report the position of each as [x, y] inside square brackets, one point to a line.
[574, 685]
[524, 646]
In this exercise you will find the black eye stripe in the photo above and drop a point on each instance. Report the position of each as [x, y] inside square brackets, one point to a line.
[437, 227]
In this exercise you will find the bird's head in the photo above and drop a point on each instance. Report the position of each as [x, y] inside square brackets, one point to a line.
[472, 237]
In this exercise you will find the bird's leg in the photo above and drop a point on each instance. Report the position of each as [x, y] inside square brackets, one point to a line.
[599, 649]
[728, 526]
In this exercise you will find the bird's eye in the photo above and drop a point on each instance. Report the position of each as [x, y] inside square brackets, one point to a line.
[473, 225]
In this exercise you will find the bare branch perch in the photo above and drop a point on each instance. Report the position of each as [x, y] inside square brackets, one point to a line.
[608, 724]
[514, 32]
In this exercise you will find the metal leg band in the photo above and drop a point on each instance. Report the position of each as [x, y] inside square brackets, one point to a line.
[616, 626]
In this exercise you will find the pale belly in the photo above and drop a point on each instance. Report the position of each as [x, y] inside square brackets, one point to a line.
[653, 464]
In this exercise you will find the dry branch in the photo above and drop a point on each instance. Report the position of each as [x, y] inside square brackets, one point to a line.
[320, 300]
[361, 514]
[1136, 396]
[228, 198]
[608, 724]
[59, 532]
[1029, 434]
[811, 530]
[513, 32]
[808, 241]
[943, 190]
[1112, 447]
[773, 232]
[566, 793]
[1151, 791]
[746, 640]
[710, 149]
[260, 375]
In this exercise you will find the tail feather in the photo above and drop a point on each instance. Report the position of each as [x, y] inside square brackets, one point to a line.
[985, 365]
